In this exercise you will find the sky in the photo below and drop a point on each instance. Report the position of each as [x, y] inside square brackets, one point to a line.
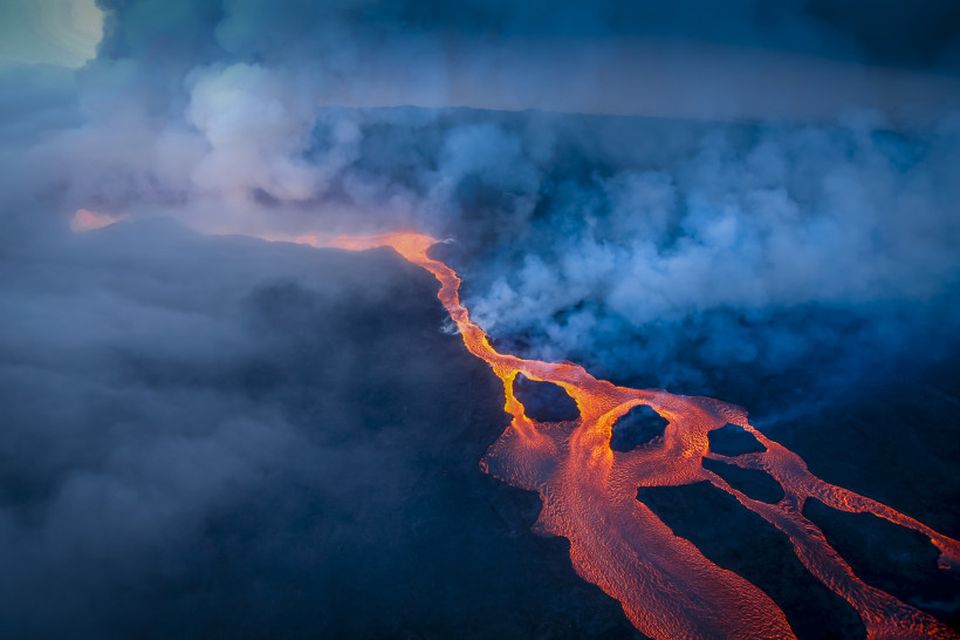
[713, 197]
[57, 32]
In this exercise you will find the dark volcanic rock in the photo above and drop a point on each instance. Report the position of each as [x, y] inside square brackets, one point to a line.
[250, 440]
[638, 427]
[544, 401]
[894, 439]
[897, 560]
[740, 540]
[757, 484]
[733, 440]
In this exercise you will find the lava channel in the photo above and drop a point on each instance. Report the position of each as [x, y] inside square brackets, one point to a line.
[666, 586]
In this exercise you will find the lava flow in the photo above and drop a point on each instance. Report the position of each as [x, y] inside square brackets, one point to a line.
[667, 588]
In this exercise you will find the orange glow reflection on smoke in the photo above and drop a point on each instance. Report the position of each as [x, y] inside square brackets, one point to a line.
[666, 586]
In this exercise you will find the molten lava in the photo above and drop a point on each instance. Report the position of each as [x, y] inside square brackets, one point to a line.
[667, 588]
[84, 220]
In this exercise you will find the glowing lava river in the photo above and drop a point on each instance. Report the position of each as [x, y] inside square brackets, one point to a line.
[667, 587]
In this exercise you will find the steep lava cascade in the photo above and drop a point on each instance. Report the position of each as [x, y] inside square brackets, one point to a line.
[667, 588]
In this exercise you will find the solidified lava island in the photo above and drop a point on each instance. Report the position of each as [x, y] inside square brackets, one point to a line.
[665, 584]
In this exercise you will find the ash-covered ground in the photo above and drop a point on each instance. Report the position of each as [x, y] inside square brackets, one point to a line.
[212, 436]
[257, 440]
[267, 440]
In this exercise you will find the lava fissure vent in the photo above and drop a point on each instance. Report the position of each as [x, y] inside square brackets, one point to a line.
[589, 491]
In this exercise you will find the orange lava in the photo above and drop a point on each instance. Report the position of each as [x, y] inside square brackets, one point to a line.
[84, 220]
[667, 588]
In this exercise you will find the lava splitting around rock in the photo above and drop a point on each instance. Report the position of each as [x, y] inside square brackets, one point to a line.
[666, 586]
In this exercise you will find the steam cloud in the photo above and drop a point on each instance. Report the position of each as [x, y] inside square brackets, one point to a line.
[659, 226]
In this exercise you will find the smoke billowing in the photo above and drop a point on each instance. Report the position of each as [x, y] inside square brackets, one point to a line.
[714, 198]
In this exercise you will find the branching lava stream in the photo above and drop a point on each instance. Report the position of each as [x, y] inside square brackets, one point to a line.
[667, 588]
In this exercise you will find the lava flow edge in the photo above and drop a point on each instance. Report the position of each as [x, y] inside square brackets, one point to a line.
[666, 586]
